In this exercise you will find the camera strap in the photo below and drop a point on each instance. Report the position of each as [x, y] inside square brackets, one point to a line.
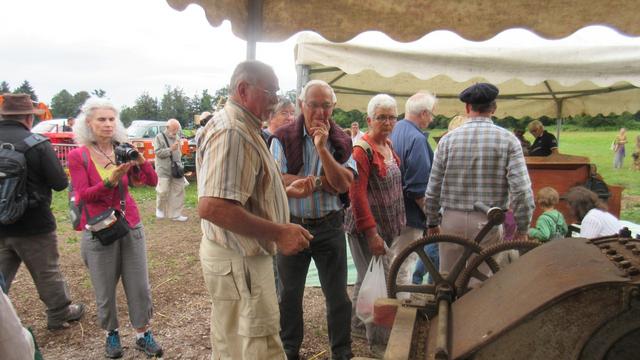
[167, 141]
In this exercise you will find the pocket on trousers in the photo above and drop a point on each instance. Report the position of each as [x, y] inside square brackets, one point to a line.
[219, 280]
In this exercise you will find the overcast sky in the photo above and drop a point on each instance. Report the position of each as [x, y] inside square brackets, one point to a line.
[127, 47]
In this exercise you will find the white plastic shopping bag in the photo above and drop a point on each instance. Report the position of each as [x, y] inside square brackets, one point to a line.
[373, 287]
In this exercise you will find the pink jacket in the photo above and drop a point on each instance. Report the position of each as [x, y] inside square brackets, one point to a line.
[88, 186]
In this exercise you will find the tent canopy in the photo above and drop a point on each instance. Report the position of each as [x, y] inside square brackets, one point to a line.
[409, 20]
[583, 73]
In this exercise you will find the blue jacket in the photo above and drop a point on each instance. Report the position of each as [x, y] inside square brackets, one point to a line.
[416, 157]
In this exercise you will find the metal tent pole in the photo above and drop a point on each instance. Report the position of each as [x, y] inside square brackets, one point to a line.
[302, 79]
[254, 27]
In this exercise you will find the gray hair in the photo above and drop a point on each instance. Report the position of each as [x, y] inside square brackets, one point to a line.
[83, 133]
[312, 83]
[282, 102]
[535, 124]
[420, 102]
[381, 101]
[251, 71]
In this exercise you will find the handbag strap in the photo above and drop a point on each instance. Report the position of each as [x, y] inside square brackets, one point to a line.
[169, 146]
[85, 163]
[123, 203]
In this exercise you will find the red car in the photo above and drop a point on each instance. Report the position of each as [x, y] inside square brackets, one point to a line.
[54, 130]
[61, 140]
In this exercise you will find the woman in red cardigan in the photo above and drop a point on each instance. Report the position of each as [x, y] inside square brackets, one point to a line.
[376, 216]
[100, 183]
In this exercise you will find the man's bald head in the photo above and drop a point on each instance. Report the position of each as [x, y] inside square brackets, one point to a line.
[173, 126]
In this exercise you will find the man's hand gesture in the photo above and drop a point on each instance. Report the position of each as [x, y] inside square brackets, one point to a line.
[320, 135]
[292, 239]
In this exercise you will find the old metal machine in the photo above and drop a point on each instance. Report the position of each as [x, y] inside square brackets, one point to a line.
[568, 299]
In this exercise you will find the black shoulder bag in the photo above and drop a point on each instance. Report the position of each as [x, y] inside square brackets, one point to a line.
[110, 225]
[176, 169]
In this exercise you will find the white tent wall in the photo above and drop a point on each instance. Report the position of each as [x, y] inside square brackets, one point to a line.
[597, 76]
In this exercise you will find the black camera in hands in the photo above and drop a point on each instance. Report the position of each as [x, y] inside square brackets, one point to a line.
[125, 152]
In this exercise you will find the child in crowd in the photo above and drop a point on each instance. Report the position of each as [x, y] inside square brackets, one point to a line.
[551, 224]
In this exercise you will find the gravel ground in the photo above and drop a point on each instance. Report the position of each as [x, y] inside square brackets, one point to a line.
[182, 306]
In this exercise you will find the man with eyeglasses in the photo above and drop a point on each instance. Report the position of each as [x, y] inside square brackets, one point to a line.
[314, 147]
[412, 146]
[478, 161]
[245, 219]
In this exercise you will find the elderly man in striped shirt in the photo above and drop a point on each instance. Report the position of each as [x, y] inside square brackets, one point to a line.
[314, 147]
[478, 161]
[245, 217]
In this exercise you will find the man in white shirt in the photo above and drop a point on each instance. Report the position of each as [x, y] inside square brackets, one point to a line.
[356, 134]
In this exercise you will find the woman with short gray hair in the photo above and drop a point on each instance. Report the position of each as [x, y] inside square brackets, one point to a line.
[377, 215]
[282, 114]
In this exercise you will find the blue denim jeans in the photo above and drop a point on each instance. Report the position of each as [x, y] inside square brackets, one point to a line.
[328, 250]
[420, 271]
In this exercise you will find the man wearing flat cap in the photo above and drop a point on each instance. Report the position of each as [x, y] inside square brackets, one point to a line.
[479, 161]
[32, 238]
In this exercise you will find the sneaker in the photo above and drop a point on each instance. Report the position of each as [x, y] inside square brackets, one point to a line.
[74, 313]
[113, 348]
[159, 214]
[180, 218]
[148, 345]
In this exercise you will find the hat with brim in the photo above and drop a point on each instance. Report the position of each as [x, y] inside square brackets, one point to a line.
[18, 104]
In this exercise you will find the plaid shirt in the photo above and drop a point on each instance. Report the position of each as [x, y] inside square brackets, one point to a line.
[480, 161]
[233, 163]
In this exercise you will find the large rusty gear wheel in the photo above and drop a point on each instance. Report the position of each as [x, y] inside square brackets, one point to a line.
[418, 247]
[462, 283]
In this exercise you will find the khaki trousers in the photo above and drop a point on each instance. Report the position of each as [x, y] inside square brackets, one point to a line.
[245, 319]
[170, 196]
[465, 224]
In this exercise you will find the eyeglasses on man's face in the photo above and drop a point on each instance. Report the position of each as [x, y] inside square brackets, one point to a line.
[315, 106]
[273, 94]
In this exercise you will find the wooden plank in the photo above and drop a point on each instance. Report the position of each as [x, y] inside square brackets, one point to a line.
[399, 346]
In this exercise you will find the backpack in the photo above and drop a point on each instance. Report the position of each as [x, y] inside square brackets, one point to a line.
[366, 147]
[75, 210]
[14, 198]
[344, 197]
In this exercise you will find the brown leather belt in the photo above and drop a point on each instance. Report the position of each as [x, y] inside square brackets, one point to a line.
[316, 221]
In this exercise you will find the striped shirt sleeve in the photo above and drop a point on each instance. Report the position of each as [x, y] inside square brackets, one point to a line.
[229, 170]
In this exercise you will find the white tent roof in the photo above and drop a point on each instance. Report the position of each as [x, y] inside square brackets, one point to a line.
[408, 20]
[593, 71]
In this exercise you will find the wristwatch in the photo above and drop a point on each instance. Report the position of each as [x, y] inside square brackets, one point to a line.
[318, 184]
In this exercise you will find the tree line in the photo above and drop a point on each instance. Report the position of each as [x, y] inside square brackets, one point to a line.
[174, 103]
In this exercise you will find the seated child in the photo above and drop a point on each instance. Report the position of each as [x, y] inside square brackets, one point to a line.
[551, 224]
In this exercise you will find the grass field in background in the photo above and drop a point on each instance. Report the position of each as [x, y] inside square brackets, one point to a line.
[595, 145]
